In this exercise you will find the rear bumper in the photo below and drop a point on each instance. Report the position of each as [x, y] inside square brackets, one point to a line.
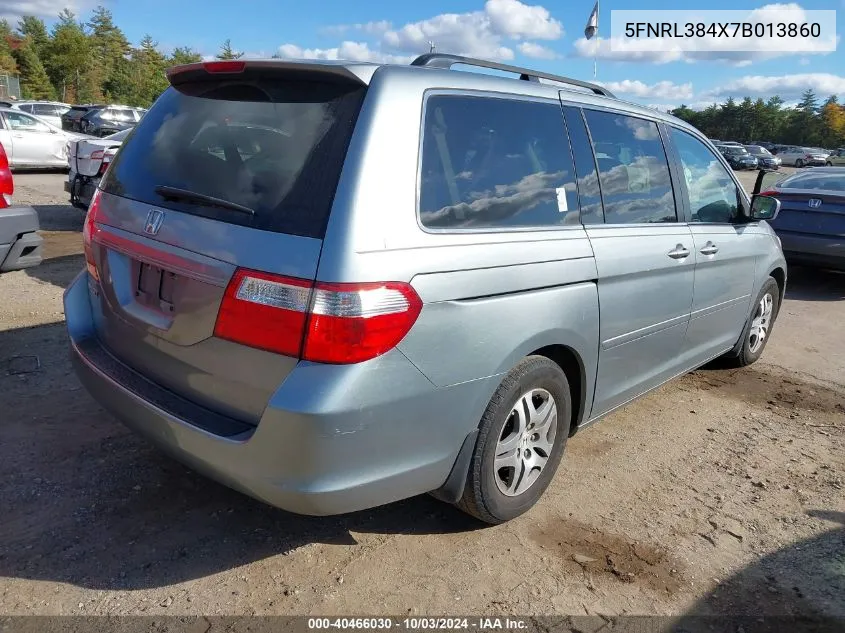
[20, 244]
[813, 250]
[81, 189]
[333, 439]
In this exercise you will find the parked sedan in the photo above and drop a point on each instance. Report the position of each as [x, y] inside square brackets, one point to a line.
[836, 158]
[32, 142]
[88, 160]
[737, 156]
[802, 156]
[811, 223]
[765, 159]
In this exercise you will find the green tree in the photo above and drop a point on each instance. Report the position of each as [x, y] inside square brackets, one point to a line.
[183, 55]
[68, 56]
[227, 52]
[148, 66]
[33, 28]
[8, 65]
[35, 83]
[109, 47]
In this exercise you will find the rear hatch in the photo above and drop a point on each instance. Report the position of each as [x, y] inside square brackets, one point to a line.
[228, 171]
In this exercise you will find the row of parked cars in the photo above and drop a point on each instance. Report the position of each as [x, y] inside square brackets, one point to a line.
[764, 155]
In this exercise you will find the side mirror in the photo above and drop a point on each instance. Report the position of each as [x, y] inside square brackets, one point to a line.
[764, 207]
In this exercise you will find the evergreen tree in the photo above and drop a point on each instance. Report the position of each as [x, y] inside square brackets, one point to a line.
[8, 65]
[148, 72]
[227, 52]
[35, 83]
[68, 56]
[34, 28]
[183, 55]
[109, 47]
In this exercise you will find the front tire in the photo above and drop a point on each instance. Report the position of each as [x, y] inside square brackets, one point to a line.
[520, 442]
[758, 328]
[828, 164]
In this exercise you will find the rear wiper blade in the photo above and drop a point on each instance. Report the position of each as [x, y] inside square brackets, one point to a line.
[174, 193]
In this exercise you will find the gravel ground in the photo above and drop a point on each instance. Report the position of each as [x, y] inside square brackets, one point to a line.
[722, 492]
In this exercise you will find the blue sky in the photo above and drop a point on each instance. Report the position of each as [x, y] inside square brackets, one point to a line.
[543, 34]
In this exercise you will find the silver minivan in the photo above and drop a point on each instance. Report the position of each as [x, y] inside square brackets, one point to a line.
[335, 285]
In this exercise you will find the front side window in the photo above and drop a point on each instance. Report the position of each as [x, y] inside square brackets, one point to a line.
[633, 169]
[713, 194]
[24, 123]
[495, 163]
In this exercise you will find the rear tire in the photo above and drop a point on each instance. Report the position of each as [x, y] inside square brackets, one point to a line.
[799, 163]
[520, 442]
[758, 328]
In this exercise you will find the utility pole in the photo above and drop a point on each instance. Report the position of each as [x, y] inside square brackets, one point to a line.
[431, 47]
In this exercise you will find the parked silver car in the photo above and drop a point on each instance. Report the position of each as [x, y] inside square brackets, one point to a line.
[335, 285]
[32, 142]
[49, 111]
[802, 157]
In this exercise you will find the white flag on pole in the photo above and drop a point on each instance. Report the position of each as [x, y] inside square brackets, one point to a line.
[593, 23]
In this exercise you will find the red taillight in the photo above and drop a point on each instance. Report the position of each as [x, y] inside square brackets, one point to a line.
[264, 311]
[808, 156]
[7, 185]
[88, 230]
[324, 323]
[225, 66]
[107, 158]
[768, 192]
[350, 323]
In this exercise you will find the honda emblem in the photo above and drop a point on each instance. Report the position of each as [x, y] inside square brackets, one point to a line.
[155, 218]
[814, 203]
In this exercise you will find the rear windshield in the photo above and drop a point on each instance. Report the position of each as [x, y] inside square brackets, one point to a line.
[271, 145]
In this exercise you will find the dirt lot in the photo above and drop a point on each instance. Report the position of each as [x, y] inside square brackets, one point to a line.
[721, 492]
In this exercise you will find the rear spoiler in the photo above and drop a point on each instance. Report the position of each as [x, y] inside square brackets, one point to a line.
[349, 73]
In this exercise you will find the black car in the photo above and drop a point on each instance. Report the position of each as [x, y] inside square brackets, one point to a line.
[109, 120]
[737, 156]
[765, 159]
[71, 120]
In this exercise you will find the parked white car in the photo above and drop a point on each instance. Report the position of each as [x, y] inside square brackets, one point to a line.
[88, 158]
[50, 111]
[30, 141]
[802, 156]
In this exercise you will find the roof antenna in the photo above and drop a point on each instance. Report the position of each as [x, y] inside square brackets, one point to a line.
[431, 48]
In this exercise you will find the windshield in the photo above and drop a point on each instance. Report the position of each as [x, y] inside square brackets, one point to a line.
[758, 150]
[275, 147]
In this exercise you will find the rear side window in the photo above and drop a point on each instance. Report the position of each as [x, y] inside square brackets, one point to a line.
[633, 170]
[273, 146]
[495, 163]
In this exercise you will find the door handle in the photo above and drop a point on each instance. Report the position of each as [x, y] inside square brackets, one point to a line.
[18, 135]
[680, 252]
[709, 249]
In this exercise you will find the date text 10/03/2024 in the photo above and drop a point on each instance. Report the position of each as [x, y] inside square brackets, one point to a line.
[419, 624]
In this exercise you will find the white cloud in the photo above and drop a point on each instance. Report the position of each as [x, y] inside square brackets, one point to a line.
[461, 33]
[13, 10]
[515, 19]
[490, 33]
[370, 28]
[659, 90]
[352, 51]
[786, 86]
[531, 49]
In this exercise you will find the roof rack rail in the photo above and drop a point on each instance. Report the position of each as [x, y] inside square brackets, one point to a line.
[446, 61]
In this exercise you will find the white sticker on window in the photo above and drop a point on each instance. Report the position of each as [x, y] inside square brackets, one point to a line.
[562, 206]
